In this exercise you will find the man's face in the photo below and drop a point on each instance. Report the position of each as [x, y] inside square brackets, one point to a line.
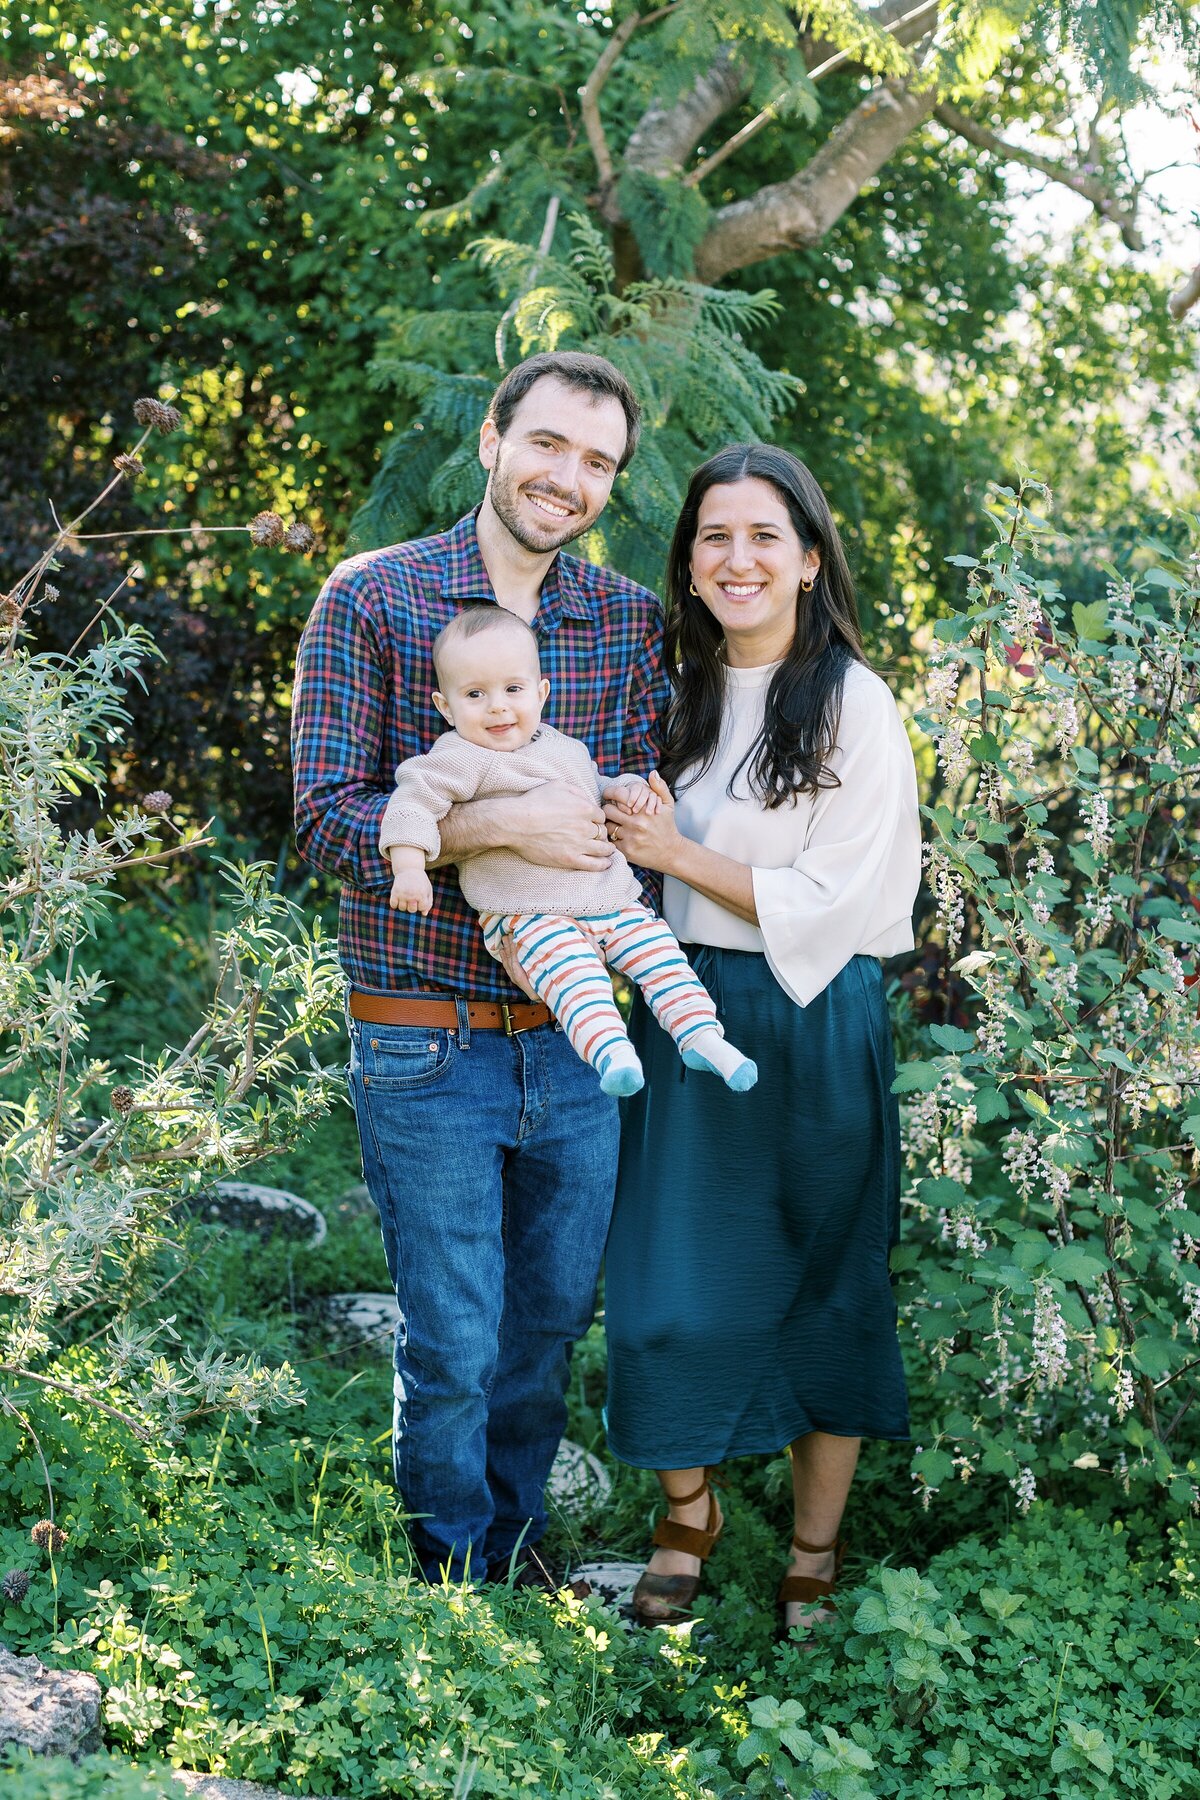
[553, 470]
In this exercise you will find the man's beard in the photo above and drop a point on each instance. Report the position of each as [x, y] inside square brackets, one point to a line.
[504, 494]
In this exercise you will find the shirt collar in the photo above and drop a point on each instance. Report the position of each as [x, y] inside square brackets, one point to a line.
[465, 577]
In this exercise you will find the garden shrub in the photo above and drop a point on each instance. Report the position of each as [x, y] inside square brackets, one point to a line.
[85, 1202]
[1050, 1276]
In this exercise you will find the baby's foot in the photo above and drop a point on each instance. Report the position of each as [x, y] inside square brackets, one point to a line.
[622, 1073]
[708, 1050]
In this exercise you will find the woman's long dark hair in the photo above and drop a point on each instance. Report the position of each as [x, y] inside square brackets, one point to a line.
[803, 700]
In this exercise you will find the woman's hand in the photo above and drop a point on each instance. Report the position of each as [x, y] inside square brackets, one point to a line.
[649, 839]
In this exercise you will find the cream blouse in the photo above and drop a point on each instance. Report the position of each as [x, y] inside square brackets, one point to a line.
[835, 873]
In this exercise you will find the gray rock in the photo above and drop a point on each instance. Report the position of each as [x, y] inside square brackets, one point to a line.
[612, 1581]
[221, 1787]
[263, 1209]
[53, 1712]
[364, 1321]
[578, 1482]
[356, 1202]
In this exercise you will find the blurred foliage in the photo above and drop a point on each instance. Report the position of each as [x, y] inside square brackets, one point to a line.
[237, 205]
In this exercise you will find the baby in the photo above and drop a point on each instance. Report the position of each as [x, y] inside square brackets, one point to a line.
[491, 692]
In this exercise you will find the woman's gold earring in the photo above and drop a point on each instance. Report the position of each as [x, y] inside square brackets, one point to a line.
[806, 584]
[693, 589]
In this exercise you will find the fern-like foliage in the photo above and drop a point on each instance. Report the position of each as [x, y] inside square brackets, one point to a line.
[683, 346]
[1103, 35]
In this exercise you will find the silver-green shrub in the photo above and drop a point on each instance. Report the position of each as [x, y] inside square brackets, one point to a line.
[87, 1202]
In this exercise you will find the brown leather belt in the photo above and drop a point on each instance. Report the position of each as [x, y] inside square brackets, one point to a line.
[482, 1015]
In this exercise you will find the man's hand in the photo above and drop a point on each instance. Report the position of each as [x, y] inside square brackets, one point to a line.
[561, 827]
[412, 890]
[631, 793]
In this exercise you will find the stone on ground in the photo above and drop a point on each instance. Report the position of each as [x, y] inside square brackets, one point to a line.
[53, 1712]
[252, 1207]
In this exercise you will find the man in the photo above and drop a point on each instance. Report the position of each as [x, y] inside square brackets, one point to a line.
[487, 1144]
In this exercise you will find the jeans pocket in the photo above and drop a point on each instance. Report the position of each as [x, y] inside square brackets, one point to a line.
[391, 1057]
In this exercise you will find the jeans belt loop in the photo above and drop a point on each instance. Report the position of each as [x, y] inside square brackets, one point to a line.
[464, 1025]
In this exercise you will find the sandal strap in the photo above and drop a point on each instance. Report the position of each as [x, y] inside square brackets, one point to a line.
[804, 1587]
[669, 1534]
[816, 1549]
[686, 1499]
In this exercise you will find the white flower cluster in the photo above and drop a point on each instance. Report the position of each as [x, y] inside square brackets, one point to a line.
[941, 691]
[1123, 685]
[1041, 863]
[1191, 1311]
[936, 1130]
[1024, 1486]
[1019, 754]
[1064, 717]
[960, 1229]
[1098, 824]
[1063, 981]
[1051, 1355]
[1097, 915]
[1023, 614]
[1123, 1400]
[991, 789]
[1022, 1158]
[990, 1029]
[947, 892]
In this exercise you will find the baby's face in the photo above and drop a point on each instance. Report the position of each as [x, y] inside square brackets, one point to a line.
[491, 690]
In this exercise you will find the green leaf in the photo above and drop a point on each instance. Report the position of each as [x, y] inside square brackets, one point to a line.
[998, 1603]
[1091, 622]
[1075, 1262]
[916, 1078]
[1154, 1356]
[952, 1038]
[872, 1616]
[990, 1104]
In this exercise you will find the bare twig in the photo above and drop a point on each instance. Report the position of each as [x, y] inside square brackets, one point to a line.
[535, 269]
[1107, 204]
[86, 1395]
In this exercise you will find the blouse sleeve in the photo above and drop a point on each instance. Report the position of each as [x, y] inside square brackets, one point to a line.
[851, 889]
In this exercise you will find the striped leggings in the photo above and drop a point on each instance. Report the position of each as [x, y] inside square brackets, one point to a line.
[563, 961]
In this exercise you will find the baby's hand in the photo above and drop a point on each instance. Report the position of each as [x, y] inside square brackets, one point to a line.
[412, 891]
[632, 792]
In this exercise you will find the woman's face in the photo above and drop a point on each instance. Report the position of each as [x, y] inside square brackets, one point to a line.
[747, 565]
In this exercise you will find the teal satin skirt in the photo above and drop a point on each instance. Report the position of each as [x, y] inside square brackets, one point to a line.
[747, 1294]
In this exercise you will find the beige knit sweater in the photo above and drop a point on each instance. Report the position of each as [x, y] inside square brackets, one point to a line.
[500, 880]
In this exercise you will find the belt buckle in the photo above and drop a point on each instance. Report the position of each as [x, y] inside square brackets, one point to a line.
[506, 1019]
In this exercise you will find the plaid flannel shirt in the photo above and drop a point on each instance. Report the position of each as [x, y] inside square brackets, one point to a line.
[362, 704]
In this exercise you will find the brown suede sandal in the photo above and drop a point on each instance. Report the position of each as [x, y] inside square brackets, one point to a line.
[800, 1589]
[668, 1599]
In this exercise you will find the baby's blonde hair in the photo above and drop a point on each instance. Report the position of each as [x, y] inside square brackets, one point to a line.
[475, 619]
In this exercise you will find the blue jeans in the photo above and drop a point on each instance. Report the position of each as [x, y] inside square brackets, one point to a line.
[492, 1161]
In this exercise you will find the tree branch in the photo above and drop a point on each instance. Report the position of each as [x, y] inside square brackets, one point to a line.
[1185, 295]
[589, 96]
[907, 27]
[1106, 203]
[799, 211]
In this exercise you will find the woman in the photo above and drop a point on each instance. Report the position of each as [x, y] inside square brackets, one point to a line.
[748, 1302]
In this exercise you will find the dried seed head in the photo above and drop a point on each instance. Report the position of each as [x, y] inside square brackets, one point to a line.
[10, 610]
[266, 528]
[158, 415]
[299, 536]
[48, 1536]
[15, 1586]
[129, 464]
[121, 1101]
[49, 592]
[157, 801]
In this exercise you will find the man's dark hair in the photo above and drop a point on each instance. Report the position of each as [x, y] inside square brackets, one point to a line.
[593, 375]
